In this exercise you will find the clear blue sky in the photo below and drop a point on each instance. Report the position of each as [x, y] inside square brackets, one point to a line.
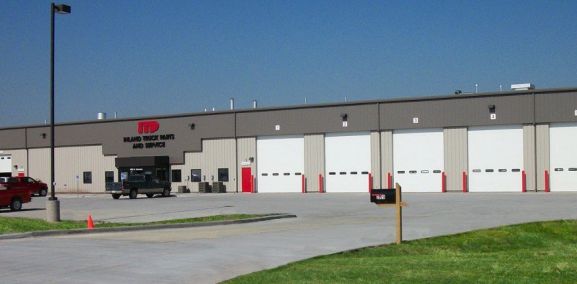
[142, 58]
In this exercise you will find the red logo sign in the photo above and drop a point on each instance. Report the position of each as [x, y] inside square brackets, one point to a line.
[148, 126]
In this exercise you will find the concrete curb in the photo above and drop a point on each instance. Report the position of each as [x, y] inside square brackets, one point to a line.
[141, 228]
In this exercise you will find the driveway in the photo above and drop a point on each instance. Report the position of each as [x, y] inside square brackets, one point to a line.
[326, 223]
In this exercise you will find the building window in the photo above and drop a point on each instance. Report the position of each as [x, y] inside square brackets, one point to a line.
[87, 177]
[195, 175]
[223, 174]
[109, 176]
[176, 176]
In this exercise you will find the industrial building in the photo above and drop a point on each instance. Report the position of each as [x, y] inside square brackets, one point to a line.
[513, 141]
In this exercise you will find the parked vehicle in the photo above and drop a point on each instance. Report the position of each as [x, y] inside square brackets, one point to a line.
[27, 183]
[13, 197]
[139, 182]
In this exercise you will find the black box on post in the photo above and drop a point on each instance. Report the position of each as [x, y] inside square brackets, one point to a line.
[384, 196]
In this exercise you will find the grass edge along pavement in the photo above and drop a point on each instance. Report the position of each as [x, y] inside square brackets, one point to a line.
[20, 227]
[538, 252]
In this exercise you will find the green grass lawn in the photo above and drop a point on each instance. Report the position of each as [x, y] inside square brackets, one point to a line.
[20, 225]
[544, 252]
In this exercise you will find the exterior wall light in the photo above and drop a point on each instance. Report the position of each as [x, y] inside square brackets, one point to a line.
[492, 108]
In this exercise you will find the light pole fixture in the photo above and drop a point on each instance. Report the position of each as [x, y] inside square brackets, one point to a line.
[52, 204]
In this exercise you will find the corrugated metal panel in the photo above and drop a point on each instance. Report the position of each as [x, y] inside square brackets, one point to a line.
[456, 157]
[556, 107]
[387, 157]
[308, 121]
[314, 160]
[39, 164]
[529, 155]
[216, 153]
[458, 112]
[13, 139]
[246, 149]
[110, 134]
[375, 159]
[542, 154]
[70, 164]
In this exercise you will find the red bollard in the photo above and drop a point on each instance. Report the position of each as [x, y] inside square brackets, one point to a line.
[523, 181]
[370, 183]
[547, 188]
[464, 181]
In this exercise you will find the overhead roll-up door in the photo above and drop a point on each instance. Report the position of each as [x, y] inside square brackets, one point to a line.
[418, 160]
[348, 162]
[495, 158]
[563, 155]
[280, 163]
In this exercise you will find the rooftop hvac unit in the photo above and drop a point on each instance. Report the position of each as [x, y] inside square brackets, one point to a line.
[101, 116]
[522, 87]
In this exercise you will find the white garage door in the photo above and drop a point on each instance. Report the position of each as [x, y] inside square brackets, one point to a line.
[563, 143]
[280, 164]
[6, 165]
[348, 162]
[495, 158]
[418, 159]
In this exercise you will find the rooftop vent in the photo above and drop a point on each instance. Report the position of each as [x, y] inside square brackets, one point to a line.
[522, 87]
[101, 116]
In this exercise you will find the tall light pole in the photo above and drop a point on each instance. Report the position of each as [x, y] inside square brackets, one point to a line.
[52, 204]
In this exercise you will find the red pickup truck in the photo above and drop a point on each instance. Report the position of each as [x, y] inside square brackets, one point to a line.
[13, 198]
[26, 183]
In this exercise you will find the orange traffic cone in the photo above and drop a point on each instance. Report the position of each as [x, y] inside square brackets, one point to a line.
[89, 222]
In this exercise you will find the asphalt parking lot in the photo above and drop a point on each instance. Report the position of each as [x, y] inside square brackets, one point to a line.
[326, 223]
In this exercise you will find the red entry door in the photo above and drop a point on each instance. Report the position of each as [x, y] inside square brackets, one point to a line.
[246, 179]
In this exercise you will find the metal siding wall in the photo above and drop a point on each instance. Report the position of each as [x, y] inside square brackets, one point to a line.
[362, 117]
[555, 107]
[110, 134]
[314, 160]
[72, 162]
[39, 164]
[542, 154]
[217, 153]
[529, 155]
[457, 112]
[455, 156]
[13, 138]
[246, 150]
[375, 159]
[387, 156]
